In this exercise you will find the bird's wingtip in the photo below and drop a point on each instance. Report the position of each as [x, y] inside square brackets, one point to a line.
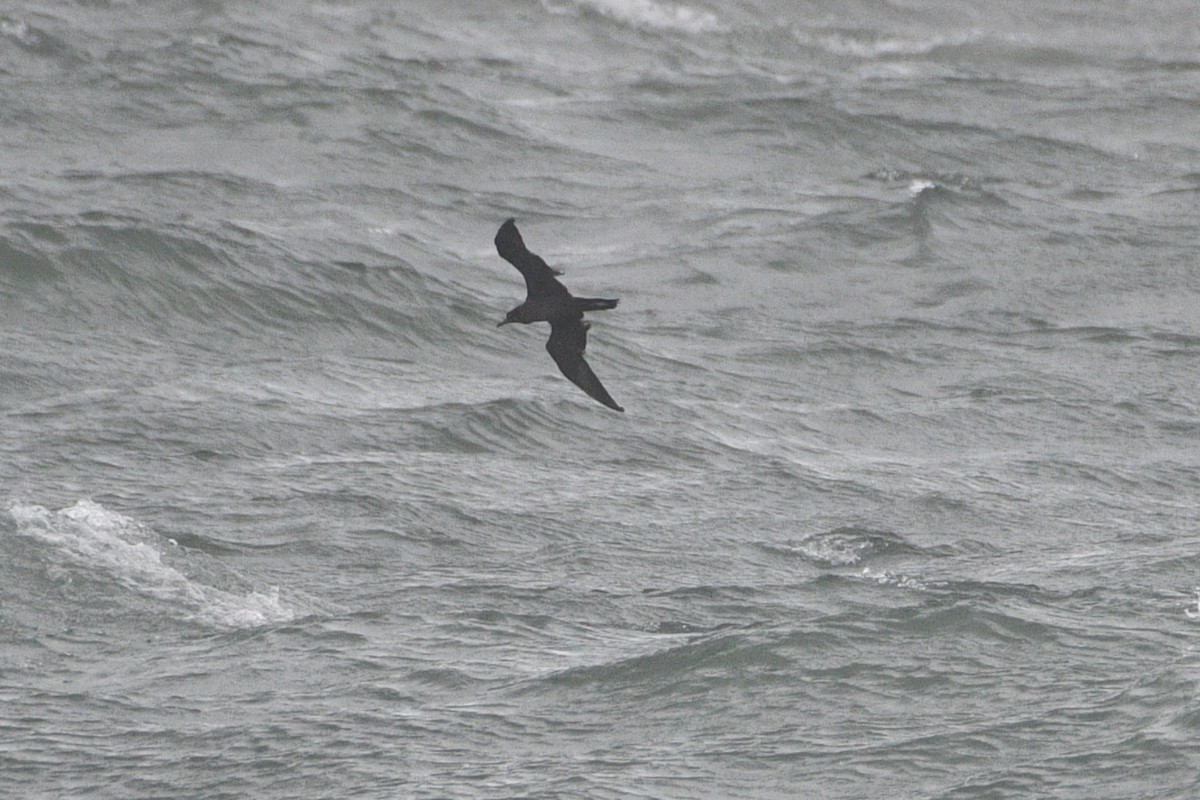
[508, 235]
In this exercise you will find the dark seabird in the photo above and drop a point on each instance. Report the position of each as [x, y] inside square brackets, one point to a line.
[547, 300]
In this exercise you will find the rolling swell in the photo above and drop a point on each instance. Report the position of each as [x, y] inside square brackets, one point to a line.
[112, 274]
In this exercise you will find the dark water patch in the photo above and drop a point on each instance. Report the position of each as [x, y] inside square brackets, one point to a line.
[1175, 345]
[207, 455]
[23, 265]
[191, 283]
[44, 232]
[501, 425]
[441, 678]
[971, 621]
[1087, 194]
[682, 668]
[949, 291]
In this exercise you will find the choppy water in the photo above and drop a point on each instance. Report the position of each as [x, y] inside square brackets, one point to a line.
[905, 500]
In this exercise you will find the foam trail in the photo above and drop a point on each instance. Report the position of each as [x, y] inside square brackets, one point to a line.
[90, 536]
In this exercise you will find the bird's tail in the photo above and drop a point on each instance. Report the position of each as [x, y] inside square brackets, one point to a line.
[594, 303]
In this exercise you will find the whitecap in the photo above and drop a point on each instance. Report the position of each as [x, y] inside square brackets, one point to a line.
[866, 46]
[919, 185]
[656, 15]
[1194, 613]
[888, 578]
[842, 547]
[107, 544]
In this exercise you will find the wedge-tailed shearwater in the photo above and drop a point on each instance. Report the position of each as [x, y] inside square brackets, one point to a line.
[547, 300]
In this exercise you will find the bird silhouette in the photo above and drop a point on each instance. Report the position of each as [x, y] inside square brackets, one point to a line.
[547, 300]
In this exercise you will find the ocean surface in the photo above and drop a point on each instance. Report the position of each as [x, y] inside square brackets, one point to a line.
[905, 502]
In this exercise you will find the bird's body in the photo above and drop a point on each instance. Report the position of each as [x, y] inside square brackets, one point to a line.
[547, 300]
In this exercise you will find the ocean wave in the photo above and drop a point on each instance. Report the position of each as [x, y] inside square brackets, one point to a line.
[871, 45]
[655, 15]
[144, 278]
[113, 549]
[843, 547]
[23, 264]
[36, 41]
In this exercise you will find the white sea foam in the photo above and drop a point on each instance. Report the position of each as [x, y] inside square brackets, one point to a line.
[656, 15]
[919, 185]
[888, 578]
[91, 537]
[835, 549]
[874, 47]
[1194, 613]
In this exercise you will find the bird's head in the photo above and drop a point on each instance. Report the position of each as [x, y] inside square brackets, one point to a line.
[512, 316]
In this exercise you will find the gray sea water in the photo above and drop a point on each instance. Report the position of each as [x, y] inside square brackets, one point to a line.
[905, 502]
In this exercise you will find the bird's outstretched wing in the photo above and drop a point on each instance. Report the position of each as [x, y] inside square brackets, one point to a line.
[539, 277]
[568, 340]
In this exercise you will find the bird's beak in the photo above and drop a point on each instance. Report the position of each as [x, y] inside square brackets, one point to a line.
[504, 322]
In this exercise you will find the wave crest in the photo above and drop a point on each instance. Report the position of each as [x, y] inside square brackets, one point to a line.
[655, 15]
[104, 544]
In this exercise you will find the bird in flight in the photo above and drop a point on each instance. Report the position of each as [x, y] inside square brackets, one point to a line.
[547, 300]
